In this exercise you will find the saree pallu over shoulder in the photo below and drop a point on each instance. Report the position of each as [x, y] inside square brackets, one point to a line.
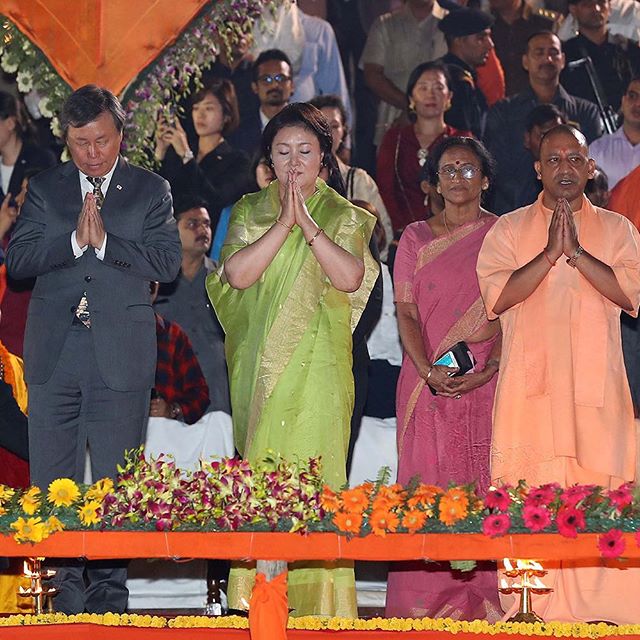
[265, 323]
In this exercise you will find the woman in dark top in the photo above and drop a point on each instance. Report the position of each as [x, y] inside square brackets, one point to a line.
[214, 171]
[20, 158]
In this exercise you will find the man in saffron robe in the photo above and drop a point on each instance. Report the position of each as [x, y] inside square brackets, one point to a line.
[557, 273]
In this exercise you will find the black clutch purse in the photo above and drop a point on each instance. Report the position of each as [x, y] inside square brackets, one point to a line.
[458, 358]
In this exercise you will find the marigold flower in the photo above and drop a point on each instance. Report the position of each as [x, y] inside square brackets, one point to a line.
[383, 521]
[424, 495]
[6, 493]
[496, 525]
[611, 544]
[88, 513]
[388, 497]
[53, 525]
[63, 492]
[355, 500]
[414, 520]
[536, 518]
[349, 522]
[329, 500]
[98, 490]
[30, 500]
[453, 506]
[30, 530]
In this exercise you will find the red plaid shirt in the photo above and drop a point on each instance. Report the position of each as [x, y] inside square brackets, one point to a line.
[178, 374]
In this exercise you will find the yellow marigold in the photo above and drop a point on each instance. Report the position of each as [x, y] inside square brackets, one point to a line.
[454, 506]
[383, 521]
[53, 525]
[355, 500]
[63, 492]
[6, 493]
[88, 513]
[98, 490]
[30, 500]
[349, 522]
[30, 530]
[414, 520]
[329, 500]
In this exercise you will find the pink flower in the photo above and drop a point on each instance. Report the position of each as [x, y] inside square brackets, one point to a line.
[498, 499]
[536, 518]
[573, 495]
[496, 525]
[541, 496]
[620, 497]
[638, 538]
[611, 544]
[569, 520]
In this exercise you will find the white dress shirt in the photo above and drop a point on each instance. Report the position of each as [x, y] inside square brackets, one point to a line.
[87, 187]
[615, 155]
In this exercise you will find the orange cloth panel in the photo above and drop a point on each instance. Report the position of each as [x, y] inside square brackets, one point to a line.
[491, 79]
[106, 42]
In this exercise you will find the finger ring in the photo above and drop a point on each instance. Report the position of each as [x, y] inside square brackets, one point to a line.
[458, 396]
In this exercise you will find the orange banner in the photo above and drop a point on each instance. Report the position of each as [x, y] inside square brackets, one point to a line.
[106, 42]
[314, 546]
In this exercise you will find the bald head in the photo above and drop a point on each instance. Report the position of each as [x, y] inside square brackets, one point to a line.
[564, 166]
[565, 130]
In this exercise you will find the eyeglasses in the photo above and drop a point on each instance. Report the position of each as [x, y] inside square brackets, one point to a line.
[280, 78]
[466, 171]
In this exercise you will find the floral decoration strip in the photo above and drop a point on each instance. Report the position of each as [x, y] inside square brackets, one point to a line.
[158, 89]
[315, 623]
[230, 494]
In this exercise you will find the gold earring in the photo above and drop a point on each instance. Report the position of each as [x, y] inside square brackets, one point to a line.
[485, 187]
[438, 189]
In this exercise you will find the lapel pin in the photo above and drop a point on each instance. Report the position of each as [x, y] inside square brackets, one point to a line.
[119, 187]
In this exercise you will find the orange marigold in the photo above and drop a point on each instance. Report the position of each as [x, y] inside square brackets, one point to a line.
[354, 500]
[388, 497]
[414, 520]
[329, 500]
[424, 495]
[383, 521]
[349, 522]
[454, 506]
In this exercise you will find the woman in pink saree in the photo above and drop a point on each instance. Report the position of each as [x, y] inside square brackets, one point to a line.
[444, 422]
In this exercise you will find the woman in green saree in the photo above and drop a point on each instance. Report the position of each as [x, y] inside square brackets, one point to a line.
[295, 276]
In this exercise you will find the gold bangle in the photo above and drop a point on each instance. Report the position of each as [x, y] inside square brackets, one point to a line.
[318, 232]
[286, 226]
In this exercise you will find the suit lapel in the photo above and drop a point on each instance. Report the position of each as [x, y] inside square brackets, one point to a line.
[70, 188]
[119, 190]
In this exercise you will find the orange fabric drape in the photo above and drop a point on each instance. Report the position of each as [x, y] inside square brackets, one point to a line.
[269, 609]
[106, 42]
[625, 197]
[491, 79]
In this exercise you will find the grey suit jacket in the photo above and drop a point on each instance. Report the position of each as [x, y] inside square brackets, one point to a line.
[142, 245]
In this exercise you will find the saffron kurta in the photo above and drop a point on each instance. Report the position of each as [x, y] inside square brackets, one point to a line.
[288, 347]
[563, 409]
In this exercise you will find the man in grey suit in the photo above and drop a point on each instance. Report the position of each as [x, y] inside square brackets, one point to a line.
[94, 232]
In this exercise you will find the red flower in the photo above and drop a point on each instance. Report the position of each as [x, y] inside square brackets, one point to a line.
[638, 538]
[571, 496]
[536, 518]
[620, 497]
[611, 544]
[496, 525]
[541, 496]
[498, 499]
[569, 520]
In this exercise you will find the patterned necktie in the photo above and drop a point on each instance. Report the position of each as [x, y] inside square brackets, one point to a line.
[82, 310]
[97, 190]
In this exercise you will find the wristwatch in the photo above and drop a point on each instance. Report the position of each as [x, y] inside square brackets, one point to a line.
[188, 155]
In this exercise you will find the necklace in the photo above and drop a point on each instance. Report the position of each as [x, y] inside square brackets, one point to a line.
[446, 226]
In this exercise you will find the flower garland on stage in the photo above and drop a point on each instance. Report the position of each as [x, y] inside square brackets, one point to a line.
[316, 623]
[164, 84]
[232, 495]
